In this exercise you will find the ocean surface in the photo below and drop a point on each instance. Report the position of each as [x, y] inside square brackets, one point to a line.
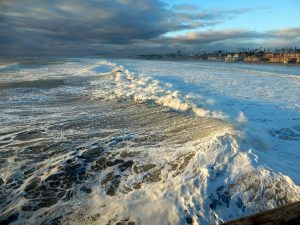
[128, 141]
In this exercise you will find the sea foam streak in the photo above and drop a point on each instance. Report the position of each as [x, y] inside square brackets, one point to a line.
[149, 90]
[121, 147]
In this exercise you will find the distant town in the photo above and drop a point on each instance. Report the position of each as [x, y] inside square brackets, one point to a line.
[258, 55]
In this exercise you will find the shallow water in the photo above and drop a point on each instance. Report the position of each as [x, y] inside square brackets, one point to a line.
[94, 141]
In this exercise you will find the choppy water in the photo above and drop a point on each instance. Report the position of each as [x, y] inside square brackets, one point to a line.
[94, 141]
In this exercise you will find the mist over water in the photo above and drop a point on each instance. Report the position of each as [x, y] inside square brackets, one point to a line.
[126, 141]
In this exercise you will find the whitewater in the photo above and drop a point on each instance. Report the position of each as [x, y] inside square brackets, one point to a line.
[131, 141]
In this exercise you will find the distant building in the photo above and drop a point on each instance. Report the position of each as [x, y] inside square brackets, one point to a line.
[290, 56]
[290, 61]
[233, 58]
[252, 58]
[229, 58]
[284, 58]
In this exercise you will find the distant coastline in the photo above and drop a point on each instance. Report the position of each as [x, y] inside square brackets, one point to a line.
[256, 56]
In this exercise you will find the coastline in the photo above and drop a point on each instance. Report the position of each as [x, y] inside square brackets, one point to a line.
[205, 60]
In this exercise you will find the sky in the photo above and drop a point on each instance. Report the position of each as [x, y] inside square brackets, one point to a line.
[132, 27]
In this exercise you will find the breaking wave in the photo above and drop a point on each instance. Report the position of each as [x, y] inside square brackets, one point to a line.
[148, 90]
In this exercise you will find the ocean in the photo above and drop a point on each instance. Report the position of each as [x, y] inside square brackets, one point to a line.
[131, 141]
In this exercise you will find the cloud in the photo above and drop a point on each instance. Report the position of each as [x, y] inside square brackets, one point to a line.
[286, 33]
[52, 23]
[185, 7]
[227, 39]
[106, 21]
[211, 36]
[75, 27]
[213, 14]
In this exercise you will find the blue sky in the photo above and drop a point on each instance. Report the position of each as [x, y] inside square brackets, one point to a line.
[266, 14]
[129, 27]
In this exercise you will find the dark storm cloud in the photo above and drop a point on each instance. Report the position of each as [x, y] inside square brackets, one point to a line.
[106, 21]
[61, 24]
[75, 27]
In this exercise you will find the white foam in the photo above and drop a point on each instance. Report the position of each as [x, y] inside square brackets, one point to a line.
[241, 118]
[262, 100]
[220, 163]
[7, 65]
[147, 89]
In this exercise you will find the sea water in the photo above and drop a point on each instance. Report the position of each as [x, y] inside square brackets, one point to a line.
[129, 141]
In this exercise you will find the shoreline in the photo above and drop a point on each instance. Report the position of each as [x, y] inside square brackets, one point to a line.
[56, 60]
[204, 60]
